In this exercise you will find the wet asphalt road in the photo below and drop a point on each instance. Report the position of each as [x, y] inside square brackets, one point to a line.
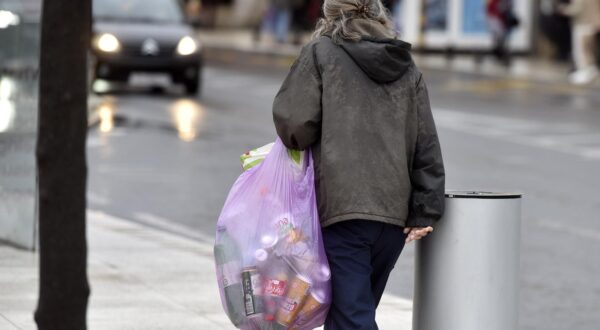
[169, 161]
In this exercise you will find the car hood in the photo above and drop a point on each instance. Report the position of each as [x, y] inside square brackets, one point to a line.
[136, 33]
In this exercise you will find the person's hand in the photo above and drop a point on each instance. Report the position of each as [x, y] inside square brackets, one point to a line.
[416, 233]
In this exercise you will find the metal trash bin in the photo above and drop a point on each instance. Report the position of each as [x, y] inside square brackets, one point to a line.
[466, 271]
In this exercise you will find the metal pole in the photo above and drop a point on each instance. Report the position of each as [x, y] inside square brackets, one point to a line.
[466, 274]
[61, 165]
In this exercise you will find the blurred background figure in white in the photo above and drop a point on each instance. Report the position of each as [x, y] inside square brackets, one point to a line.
[585, 15]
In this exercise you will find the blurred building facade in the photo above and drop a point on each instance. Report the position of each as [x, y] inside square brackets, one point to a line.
[429, 24]
[459, 24]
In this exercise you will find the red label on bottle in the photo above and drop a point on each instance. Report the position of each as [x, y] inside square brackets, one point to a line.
[275, 287]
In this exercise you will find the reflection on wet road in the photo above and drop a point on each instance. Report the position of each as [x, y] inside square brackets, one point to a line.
[172, 157]
[187, 115]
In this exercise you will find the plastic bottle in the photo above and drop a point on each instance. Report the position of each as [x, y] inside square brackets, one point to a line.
[276, 280]
[228, 259]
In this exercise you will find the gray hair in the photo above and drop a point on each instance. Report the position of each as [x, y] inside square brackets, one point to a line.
[352, 19]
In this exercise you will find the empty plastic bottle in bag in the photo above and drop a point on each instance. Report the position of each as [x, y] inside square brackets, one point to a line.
[276, 281]
[228, 259]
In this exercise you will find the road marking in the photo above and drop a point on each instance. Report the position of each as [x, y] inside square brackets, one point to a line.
[579, 141]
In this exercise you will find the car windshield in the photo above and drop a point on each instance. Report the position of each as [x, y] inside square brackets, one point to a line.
[138, 10]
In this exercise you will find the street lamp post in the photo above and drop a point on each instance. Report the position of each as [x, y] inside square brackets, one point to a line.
[61, 164]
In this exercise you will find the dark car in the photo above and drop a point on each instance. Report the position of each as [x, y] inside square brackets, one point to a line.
[149, 36]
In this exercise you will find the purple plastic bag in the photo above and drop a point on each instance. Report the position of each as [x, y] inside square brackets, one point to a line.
[270, 262]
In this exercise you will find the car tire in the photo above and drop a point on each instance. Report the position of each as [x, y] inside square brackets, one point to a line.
[192, 87]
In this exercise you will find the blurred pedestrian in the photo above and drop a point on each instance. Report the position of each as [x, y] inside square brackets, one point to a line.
[397, 18]
[556, 28]
[355, 98]
[501, 20]
[278, 18]
[300, 21]
[585, 15]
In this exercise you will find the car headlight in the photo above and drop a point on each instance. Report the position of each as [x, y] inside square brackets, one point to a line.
[186, 46]
[7, 19]
[108, 43]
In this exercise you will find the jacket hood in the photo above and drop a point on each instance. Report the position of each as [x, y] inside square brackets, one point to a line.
[383, 60]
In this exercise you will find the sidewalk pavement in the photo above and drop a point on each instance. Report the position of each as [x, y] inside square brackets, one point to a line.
[142, 278]
[239, 45]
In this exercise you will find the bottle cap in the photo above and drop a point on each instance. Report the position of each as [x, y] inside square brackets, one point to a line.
[261, 255]
[268, 241]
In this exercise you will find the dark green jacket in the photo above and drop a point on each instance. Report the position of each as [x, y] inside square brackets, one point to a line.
[363, 109]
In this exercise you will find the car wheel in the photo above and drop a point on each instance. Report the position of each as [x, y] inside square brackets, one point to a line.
[192, 87]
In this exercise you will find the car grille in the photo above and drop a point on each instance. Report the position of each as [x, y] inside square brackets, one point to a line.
[136, 51]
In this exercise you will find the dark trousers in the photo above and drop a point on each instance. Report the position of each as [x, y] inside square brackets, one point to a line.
[361, 255]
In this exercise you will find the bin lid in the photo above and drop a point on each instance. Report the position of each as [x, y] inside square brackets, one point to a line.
[482, 194]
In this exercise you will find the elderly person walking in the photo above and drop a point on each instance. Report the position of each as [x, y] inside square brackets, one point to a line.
[355, 98]
[585, 15]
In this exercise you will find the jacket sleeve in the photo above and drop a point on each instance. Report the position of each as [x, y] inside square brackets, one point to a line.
[297, 106]
[427, 175]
